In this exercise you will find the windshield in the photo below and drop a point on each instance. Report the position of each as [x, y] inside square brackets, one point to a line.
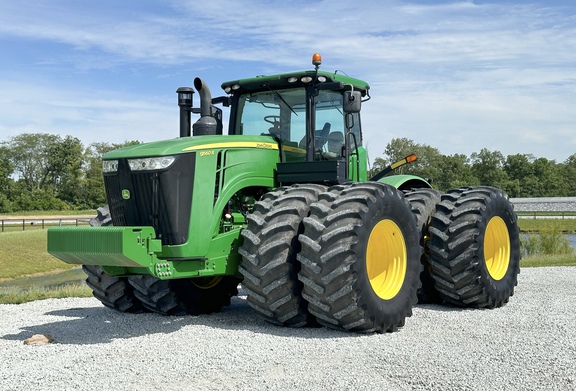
[280, 113]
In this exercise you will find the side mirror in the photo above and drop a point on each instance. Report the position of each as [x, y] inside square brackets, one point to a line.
[352, 101]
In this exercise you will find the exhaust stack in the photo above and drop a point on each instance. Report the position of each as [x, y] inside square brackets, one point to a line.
[207, 124]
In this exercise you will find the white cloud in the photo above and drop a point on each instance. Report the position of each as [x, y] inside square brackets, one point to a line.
[458, 75]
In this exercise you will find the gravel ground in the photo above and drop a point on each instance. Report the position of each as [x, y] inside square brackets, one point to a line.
[529, 344]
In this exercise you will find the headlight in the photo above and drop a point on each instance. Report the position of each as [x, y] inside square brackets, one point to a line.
[110, 165]
[151, 163]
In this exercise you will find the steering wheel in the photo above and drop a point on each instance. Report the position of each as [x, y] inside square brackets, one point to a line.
[272, 119]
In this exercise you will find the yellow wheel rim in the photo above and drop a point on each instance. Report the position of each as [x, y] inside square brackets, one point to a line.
[497, 248]
[386, 259]
[206, 282]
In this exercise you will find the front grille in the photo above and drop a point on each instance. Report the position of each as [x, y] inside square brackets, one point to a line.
[161, 199]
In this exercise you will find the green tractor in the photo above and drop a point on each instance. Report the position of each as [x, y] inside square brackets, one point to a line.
[283, 205]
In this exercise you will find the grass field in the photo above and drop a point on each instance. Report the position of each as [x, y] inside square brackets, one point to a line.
[567, 226]
[23, 254]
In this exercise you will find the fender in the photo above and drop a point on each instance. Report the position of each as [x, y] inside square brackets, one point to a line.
[405, 182]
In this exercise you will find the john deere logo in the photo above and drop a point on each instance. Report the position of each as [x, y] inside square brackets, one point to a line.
[126, 194]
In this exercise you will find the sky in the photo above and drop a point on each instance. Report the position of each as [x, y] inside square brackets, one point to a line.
[457, 75]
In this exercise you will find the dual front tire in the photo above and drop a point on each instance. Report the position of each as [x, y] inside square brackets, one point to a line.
[142, 293]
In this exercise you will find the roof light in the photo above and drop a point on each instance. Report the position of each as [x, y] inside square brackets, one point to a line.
[227, 89]
[236, 87]
[292, 79]
[321, 79]
[306, 79]
[316, 59]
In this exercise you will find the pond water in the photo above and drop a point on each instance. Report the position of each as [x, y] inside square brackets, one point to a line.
[572, 240]
[50, 281]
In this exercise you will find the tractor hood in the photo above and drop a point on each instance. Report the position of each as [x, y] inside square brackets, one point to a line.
[189, 144]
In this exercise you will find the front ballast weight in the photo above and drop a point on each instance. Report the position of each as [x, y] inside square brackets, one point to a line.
[130, 250]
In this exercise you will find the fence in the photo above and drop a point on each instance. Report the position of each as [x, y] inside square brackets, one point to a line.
[14, 224]
[548, 215]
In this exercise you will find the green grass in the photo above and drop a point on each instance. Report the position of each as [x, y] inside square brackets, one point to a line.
[16, 296]
[23, 253]
[540, 260]
[540, 225]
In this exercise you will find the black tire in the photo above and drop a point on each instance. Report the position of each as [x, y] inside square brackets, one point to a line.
[158, 295]
[206, 295]
[192, 296]
[113, 292]
[475, 247]
[269, 265]
[423, 203]
[341, 260]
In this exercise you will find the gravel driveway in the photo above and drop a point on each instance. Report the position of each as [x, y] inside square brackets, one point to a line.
[528, 344]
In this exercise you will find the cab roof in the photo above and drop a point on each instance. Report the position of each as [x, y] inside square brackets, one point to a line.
[293, 79]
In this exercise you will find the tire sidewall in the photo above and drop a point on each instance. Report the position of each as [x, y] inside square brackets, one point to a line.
[396, 209]
[499, 206]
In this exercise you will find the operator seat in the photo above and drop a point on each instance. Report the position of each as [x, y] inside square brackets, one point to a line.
[335, 143]
[320, 137]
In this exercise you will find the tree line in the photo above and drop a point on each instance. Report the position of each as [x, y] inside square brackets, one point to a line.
[40, 171]
[519, 175]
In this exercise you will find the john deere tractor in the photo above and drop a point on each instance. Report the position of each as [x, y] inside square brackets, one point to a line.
[282, 204]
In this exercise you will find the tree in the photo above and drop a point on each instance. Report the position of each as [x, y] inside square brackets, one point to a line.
[569, 175]
[521, 180]
[488, 166]
[29, 155]
[427, 165]
[6, 182]
[550, 180]
[47, 168]
[65, 162]
[455, 172]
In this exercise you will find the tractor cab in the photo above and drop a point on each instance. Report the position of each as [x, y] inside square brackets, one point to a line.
[314, 117]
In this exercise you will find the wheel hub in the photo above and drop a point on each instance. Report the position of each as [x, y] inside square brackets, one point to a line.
[497, 248]
[386, 259]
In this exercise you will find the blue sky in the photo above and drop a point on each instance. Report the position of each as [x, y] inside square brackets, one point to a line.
[456, 75]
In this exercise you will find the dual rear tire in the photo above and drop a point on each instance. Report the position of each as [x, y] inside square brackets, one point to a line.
[360, 258]
[347, 258]
[475, 247]
[360, 255]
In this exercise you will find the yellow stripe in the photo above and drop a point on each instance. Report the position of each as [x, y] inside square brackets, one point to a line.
[293, 149]
[238, 144]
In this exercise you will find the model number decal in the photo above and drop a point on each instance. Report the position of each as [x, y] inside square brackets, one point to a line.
[206, 153]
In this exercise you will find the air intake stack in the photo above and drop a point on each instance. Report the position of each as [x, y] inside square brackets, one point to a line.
[185, 103]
